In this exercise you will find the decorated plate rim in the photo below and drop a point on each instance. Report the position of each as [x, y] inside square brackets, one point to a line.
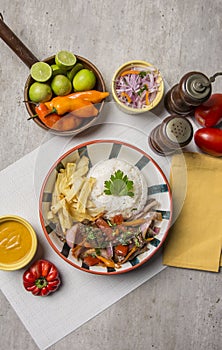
[52, 244]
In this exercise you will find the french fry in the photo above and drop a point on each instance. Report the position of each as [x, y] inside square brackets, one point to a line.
[74, 190]
[70, 197]
[84, 194]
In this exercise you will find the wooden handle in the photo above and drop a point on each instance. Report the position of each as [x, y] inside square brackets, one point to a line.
[16, 45]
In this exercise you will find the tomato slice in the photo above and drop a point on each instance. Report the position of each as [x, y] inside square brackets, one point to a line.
[118, 219]
[91, 260]
[121, 250]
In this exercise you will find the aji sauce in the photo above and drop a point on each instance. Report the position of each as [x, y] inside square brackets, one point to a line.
[17, 242]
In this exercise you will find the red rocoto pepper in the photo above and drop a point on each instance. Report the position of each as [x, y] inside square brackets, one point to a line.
[209, 140]
[209, 113]
[42, 278]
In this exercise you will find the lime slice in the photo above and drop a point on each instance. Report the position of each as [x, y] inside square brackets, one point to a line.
[41, 72]
[40, 92]
[65, 59]
[57, 70]
[71, 73]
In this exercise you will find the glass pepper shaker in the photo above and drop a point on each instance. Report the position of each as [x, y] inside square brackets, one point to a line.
[193, 89]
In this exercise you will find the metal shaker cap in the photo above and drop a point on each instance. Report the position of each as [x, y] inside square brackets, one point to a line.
[174, 133]
[178, 130]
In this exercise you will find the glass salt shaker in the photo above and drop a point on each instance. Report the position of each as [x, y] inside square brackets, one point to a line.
[173, 134]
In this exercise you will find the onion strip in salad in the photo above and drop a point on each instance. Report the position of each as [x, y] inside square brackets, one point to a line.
[137, 88]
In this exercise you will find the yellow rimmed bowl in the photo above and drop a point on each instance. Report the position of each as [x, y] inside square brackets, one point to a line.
[140, 65]
[18, 242]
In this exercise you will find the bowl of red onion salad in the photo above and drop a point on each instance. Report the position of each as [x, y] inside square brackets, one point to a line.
[137, 87]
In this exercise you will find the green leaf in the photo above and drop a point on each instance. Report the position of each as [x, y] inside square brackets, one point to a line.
[142, 74]
[142, 89]
[119, 185]
[97, 251]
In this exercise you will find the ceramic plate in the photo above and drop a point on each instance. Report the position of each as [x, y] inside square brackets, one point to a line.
[157, 188]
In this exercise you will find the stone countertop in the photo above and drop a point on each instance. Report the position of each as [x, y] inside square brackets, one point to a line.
[178, 308]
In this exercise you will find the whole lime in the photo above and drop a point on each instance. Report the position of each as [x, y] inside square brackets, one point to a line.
[84, 80]
[56, 70]
[40, 92]
[71, 73]
[61, 85]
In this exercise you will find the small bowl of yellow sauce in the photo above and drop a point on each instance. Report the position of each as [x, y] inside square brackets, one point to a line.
[18, 242]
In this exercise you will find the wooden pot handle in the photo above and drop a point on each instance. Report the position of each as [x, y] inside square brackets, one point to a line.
[15, 44]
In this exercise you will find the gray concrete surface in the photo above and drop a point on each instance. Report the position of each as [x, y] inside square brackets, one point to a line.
[178, 309]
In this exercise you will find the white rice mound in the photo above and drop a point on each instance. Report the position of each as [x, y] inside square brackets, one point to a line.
[114, 205]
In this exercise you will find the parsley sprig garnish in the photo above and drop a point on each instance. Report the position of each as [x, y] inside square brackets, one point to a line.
[119, 185]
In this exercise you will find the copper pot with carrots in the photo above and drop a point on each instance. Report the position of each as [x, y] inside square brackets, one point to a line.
[71, 112]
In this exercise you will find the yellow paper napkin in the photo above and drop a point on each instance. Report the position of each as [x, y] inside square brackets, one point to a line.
[195, 239]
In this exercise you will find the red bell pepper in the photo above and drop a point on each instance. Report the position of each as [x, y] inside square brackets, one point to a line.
[209, 113]
[42, 278]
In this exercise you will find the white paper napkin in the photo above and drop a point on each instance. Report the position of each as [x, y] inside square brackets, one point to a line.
[71, 305]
